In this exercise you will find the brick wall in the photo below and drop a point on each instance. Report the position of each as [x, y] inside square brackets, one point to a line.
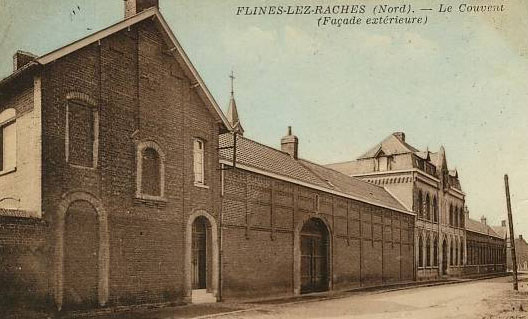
[485, 254]
[142, 94]
[24, 262]
[370, 245]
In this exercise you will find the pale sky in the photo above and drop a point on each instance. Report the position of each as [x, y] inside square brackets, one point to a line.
[460, 81]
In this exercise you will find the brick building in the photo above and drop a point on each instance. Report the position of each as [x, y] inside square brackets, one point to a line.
[290, 226]
[109, 162]
[486, 247]
[423, 183]
[118, 199]
[113, 190]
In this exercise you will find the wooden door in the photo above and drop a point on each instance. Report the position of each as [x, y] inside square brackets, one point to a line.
[199, 254]
[314, 258]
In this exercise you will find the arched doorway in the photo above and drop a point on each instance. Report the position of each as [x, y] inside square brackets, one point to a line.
[81, 252]
[444, 257]
[314, 249]
[81, 256]
[200, 260]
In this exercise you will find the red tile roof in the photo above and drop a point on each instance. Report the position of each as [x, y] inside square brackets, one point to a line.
[256, 155]
[478, 227]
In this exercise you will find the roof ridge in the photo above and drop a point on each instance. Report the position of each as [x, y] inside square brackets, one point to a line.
[344, 162]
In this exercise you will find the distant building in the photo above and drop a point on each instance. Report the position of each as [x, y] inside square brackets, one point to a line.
[486, 248]
[521, 247]
[521, 254]
[423, 183]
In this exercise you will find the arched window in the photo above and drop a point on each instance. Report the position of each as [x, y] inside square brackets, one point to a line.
[420, 251]
[456, 252]
[8, 140]
[420, 204]
[82, 131]
[150, 171]
[151, 166]
[428, 251]
[435, 210]
[435, 252]
[462, 218]
[462, 251]
[450, 215]
[451, 259]
[427, 207]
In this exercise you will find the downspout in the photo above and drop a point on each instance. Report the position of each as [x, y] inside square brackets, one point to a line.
[220, 245]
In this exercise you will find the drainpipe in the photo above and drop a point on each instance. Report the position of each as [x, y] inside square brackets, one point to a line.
[220, 245]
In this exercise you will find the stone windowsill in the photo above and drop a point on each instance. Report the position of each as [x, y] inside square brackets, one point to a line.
[200, 185]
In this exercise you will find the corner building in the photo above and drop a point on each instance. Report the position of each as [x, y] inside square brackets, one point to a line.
[116, 165]
[423, 183]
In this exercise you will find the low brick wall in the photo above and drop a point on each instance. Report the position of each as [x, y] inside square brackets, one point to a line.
[24, 255]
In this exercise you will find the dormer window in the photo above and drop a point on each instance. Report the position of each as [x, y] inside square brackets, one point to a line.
[8, 140]
[383, 163]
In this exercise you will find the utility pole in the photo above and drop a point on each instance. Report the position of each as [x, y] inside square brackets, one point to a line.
[512, 236]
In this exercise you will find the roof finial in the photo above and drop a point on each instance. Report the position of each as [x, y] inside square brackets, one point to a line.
[232, 76]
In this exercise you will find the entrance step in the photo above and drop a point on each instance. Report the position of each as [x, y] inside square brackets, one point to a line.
[201, 296]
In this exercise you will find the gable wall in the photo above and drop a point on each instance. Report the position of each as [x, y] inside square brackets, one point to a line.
[142, 94]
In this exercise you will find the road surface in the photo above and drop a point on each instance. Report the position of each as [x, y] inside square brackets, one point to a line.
[476, 299]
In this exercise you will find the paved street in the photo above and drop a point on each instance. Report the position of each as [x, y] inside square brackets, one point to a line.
[478, 299]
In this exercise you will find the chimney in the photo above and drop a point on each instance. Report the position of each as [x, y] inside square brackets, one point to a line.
[520, 237]
[133, 7]
[21, 58]
[400, 136]
[290, 144]
[503, 223]
[483, 220]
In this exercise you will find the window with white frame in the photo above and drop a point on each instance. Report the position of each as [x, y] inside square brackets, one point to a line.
[198, 161]
[8, 140]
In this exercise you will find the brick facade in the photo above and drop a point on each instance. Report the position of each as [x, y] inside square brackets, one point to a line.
[141, 94]
[261, 218]
[485, 254]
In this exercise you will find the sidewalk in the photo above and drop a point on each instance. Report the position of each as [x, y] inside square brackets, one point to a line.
[214, 310]
[217, 310]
